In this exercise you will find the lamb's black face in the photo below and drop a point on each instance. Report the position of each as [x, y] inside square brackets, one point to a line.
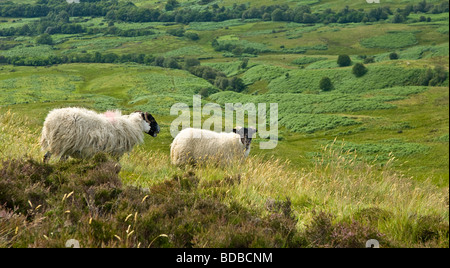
[154, 127]
[246, 135]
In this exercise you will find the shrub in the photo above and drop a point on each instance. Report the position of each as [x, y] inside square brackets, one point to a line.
[191, 62]
[85, 200]
[369, 60]
[344, 60]
[398, 18]
[393, 56]
[44, 39]
[206, 91]
[277, 15]
[171, 63]
[244, 63]
[171, 5]
[433, 77]
[359, 70]
[192, 36]
[429, 228]
[323, 233]
[179, 32]
[326, 84]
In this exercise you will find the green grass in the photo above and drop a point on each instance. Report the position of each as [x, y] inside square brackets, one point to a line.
[391, 40]
[307, 60]
[29, 51]
[310, 123]
[257, 188]
[378, 76]
[212, 26]
[37, 88]
[384, 149]
[372, 154]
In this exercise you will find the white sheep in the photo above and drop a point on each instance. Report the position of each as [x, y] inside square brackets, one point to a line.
[81, 133]
[194, 146]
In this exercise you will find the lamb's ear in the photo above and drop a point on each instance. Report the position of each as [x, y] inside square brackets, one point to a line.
[237, 130]
[149, 117]
[142, 114]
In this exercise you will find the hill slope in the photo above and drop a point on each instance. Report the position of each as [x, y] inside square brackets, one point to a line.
[370, 152]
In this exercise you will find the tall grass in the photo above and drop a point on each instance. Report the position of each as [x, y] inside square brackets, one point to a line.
[16, 140]
[339, 183]
[352, 199]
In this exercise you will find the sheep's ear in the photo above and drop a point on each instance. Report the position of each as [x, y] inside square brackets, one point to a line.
[142, 114]
[150, 117]
[251, 131]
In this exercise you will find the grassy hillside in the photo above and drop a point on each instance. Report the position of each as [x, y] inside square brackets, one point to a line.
[318, 4]
[351, 200]
[367, 157]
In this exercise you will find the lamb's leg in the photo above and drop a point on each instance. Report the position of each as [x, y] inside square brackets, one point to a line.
[47, 157]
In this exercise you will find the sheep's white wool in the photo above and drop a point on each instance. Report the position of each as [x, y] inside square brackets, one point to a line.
[192, 146]
[81, 133]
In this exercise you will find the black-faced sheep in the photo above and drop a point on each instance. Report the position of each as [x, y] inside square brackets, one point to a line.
[81, 133]
[194, 146]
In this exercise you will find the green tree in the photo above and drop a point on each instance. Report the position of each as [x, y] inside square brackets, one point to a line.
[171, 63]
[393, 56]
[244, 64]
[439, 76]
[192, 36]
[176, 32]
[359, 70]
[344, 60]
[191, 62]
[171, 5]
[398, 18]
[326, 84]
[44, 39]
[266, 17]
[63, 17]
[277, 15]
[237, 84]
[25, 30]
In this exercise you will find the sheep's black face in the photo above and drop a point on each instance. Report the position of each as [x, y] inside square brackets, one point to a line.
[154, 127]
[246, 135]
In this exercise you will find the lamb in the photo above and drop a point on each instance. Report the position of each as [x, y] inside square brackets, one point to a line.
[81, 133]
[195, 146]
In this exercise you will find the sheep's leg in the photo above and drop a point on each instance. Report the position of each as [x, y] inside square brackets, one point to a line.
[47, 157]
[63, 158]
